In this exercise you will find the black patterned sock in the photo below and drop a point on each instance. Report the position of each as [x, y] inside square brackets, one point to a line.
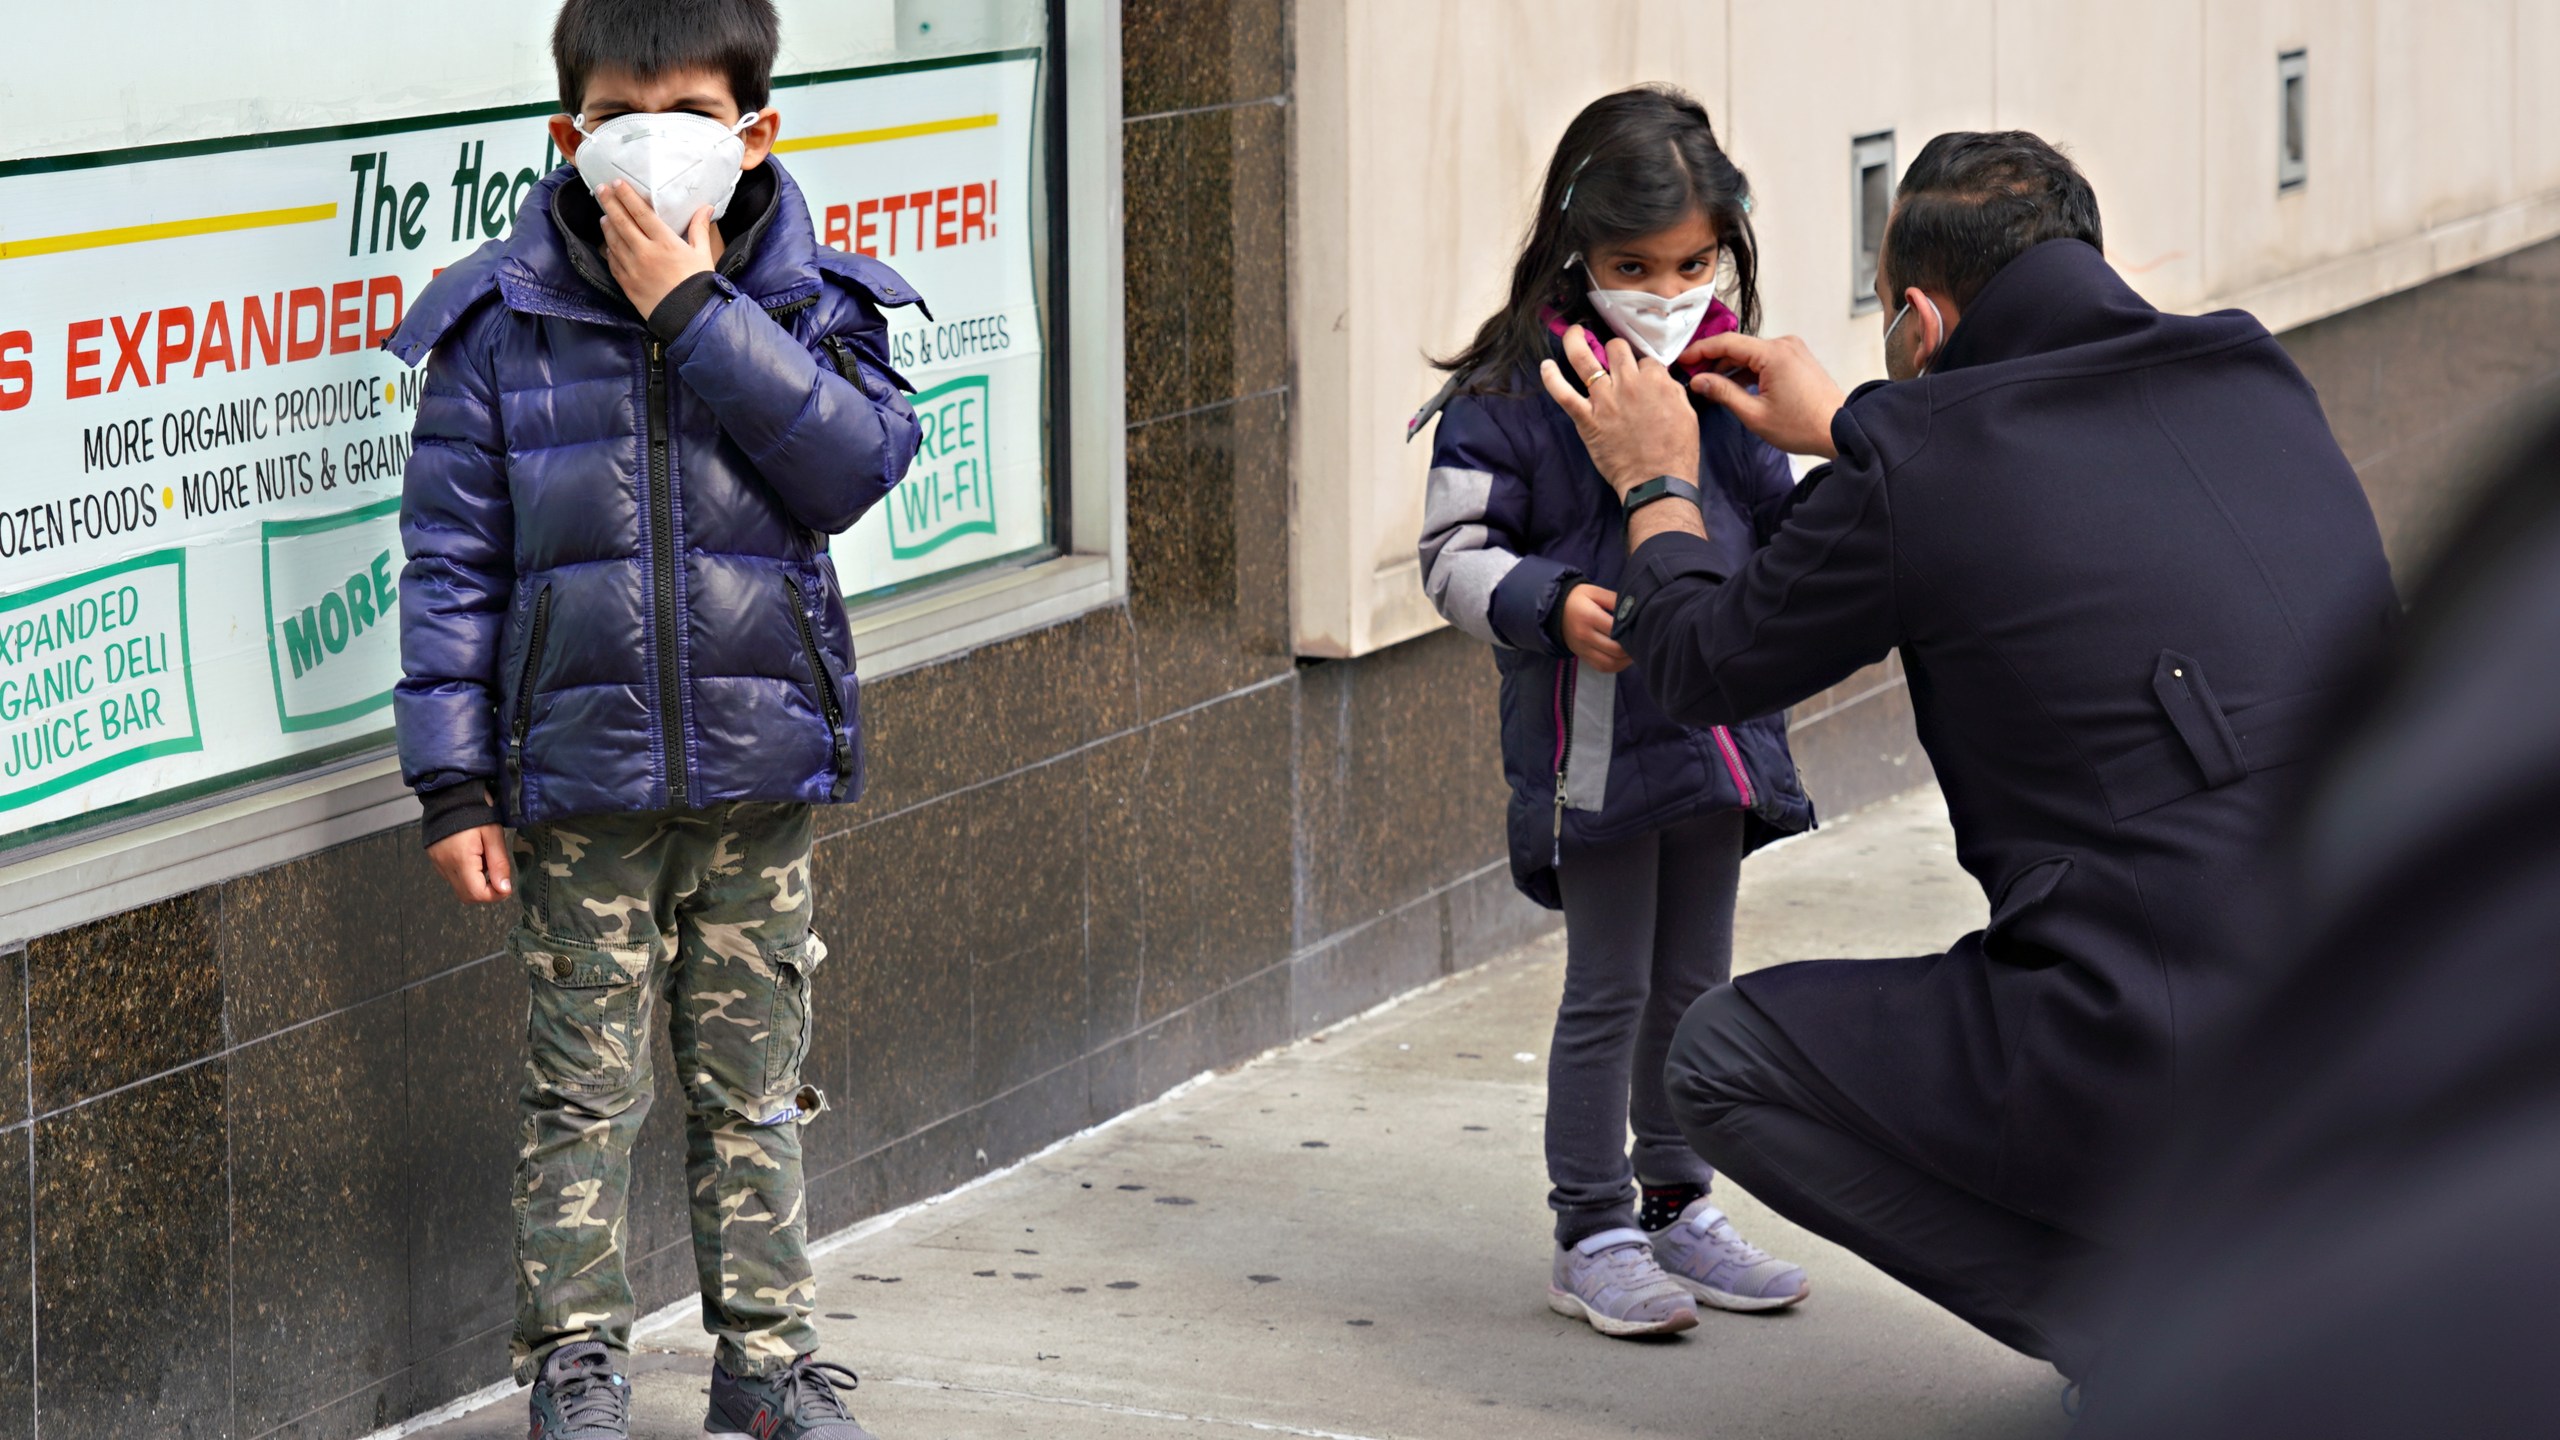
[1663, 1204]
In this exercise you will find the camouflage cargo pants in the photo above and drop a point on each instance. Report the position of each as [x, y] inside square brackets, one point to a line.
[704, 914]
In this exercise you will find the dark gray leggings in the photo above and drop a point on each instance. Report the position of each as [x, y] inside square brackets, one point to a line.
[1648, 929]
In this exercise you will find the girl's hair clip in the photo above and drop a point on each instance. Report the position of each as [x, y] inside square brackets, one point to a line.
[1746, 203]
[1571, 181]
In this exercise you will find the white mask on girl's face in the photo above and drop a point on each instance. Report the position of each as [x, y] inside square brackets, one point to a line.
[1656, 326]
[682, 162]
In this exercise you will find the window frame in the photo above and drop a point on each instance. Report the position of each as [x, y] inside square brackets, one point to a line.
[53, 885]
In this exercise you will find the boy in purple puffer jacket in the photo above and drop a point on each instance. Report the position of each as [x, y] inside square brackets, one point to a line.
[621, 635]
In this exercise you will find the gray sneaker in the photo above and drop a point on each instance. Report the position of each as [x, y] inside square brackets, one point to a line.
[795, 1404]
[581, 1395]
[1702, 1255]
[1612, 1280]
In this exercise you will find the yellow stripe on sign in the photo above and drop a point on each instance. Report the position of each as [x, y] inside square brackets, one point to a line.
[166, 230]
[885, 132]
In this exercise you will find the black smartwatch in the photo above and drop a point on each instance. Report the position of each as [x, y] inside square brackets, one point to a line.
[1658, 488]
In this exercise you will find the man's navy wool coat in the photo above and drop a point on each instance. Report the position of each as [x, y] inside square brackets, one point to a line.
[2124, 561]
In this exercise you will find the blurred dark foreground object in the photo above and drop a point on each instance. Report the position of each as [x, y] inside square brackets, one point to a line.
[2368, 1241]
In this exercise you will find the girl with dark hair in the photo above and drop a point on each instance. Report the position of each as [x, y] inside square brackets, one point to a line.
[1633, 824]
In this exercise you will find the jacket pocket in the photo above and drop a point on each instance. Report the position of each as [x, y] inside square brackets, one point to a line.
[520, 726]
[830, 702]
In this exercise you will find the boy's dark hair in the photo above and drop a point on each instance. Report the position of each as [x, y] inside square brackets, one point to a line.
[1973, 201]
[651, 37]
[1631, 164]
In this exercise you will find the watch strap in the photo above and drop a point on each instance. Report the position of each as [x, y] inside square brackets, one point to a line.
[1658, 488]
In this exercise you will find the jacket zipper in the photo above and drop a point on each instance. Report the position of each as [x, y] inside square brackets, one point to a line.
[662, 546]
[850, 367]
[1568, 676]
[829, 705]
[1733, 764]
[535, 637]
[844, 363]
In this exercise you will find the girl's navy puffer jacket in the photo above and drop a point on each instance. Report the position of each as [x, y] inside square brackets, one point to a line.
[618, 595]
[1516, 516]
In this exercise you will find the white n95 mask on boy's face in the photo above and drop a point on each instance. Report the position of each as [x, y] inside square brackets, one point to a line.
[681, 162]
[1655, 325]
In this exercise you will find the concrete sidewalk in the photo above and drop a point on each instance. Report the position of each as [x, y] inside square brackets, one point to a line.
[1347, 1238]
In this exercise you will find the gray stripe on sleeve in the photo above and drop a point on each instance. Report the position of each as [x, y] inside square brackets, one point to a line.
[1460, 563]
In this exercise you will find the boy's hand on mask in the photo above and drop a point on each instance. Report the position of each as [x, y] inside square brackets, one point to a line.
[646, 257]
[474, 862]
[1633, 417]
[1589, 615]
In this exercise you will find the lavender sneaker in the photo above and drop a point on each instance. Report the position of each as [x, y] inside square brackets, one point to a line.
[1612, 1280]
[1703, 1256]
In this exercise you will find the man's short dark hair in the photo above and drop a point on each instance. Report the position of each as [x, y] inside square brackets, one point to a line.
[1975, 200]
[651, 37]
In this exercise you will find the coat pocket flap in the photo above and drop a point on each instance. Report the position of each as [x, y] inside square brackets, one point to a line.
[2265, 736]
[2026, 890]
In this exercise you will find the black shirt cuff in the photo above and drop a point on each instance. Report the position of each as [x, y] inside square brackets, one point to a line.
[681, 304]
[1656, 563]
[452, 809]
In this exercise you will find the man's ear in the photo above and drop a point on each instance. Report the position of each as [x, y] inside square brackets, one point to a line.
[760, 137]
[565, 136]
[1930, 322]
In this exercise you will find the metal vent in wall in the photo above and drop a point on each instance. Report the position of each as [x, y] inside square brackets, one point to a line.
[1870, 202]
[2293, 123]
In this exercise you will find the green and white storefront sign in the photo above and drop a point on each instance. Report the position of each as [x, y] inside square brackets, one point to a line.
[94, 676]
[950, 492]
[333, 617]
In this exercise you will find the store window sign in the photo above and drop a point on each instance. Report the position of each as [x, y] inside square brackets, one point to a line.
[333, 617]
[200, 556]
[94, 677]
[949, 494]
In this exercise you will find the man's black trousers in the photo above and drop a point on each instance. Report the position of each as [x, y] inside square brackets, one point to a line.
[1757, 1109]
